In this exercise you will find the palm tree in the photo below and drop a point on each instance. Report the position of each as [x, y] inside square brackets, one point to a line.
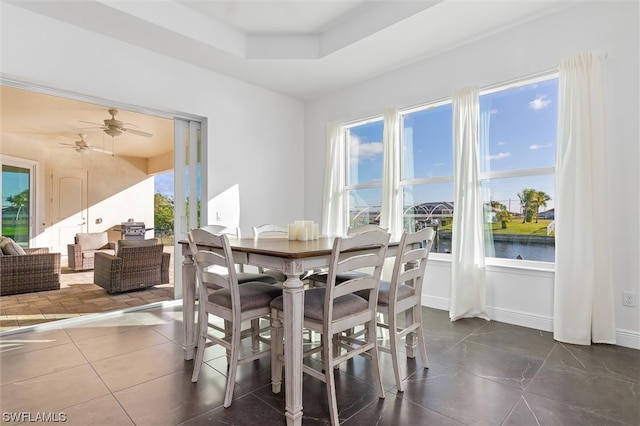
[527, 201]
[540, 200]
[19, 201]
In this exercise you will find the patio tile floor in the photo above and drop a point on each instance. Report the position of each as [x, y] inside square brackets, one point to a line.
[77, 296]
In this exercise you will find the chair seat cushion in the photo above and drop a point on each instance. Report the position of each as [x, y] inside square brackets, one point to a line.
[253, 295]
[340, 278]
[244, 277]
[404, 291]
[92, 253]
[314, 305]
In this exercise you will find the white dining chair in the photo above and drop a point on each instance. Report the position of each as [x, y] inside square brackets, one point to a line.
[271, 231]
[319, 278]
[242, 275]
[403, 294]
[233, 303]
[335, 308]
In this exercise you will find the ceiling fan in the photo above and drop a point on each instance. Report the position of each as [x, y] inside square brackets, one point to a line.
[115, 128]
[81, 146]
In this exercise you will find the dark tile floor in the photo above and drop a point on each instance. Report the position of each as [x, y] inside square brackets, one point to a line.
[129, 369]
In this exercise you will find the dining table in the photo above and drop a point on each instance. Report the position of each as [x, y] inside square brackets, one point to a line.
[293, 258]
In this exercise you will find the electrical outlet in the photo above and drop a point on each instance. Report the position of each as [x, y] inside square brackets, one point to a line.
[628, 298]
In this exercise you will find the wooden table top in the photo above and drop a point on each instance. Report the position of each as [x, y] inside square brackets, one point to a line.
[283, 247]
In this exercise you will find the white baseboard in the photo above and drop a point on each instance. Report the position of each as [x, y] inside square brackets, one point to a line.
[626, 338]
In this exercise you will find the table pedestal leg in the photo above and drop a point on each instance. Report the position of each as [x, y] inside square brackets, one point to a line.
[188, 302]
[293, 296]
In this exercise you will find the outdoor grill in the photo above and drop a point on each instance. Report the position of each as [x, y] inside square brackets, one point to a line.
[133, 230]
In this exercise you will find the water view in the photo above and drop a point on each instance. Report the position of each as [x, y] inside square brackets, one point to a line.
[543, 252]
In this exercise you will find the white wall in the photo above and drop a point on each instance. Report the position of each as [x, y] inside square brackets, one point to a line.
[242, 118]
[517, 296]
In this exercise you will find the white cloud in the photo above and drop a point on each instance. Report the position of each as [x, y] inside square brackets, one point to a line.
[439, 164]
[502, 143]
[536, 146]
[499, 156]
[493, 111]
[364, 150]
[540, 102]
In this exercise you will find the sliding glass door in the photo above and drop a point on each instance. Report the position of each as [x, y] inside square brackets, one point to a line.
[18, 177]
[190, 184]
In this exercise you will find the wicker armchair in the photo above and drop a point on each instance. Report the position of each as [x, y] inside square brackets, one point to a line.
[81, 254]
[133, 268]
[37, 270]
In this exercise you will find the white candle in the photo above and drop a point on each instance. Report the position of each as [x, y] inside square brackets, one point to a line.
[303, 234]
[293, 231]
[316, 231]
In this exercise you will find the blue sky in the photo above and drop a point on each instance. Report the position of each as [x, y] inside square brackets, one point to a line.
[521, 134]
[13, 183]
[163, 184]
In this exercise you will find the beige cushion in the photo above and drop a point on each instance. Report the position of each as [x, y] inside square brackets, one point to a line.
[404, 291]
[136, 243]
[343, 306]
[92, 240]
[10, 247]
[92, 253]
[253, 295]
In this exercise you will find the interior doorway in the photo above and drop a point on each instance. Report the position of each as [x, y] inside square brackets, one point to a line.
[66, 200]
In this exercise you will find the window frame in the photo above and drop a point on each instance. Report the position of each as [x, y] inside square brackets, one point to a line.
[517, 173]
[492, 262]
[403, 183]
[348, 186]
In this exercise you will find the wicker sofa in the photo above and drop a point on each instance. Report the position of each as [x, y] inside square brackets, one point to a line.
[137, 264]
[35, 270]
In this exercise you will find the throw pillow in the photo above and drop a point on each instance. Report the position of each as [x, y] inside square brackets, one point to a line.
[11, 248]
[92, 240]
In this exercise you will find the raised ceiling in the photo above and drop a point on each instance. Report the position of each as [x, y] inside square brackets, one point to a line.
[301, 48]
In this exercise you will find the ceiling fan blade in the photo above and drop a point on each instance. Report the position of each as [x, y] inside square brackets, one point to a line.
[137, 132]
[100, 150]
[89, 128]
[91, 122]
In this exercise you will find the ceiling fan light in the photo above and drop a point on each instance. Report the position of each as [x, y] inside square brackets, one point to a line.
[113, 132]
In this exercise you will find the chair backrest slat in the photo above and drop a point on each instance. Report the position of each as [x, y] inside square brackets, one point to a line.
[214, 262]
[269, 231]
[411, 261]
[363, 250]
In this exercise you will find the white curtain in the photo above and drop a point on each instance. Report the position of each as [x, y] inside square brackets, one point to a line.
[583, 300]
[391, 197]
[333, 214]
[467, 245]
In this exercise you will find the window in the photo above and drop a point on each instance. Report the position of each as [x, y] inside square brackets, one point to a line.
[364, 172]
[427, 172]
[518, 129]
[518, 132]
